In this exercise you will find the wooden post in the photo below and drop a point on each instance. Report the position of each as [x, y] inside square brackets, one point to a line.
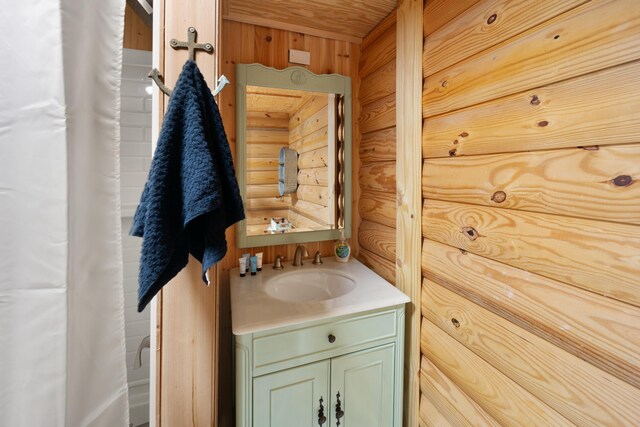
[187, 312]
[408, 173]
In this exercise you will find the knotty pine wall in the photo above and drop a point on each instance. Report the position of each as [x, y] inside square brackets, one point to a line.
[377, 152]
[309, 136]
[531, 219]
[267, 131]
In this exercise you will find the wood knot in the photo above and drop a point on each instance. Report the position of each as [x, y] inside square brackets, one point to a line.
[268, 38]
[470, 232]
[452, 153]
[556, 37]
[455, 141]
[464, 135]
[455, 322]
[444, 83]
[543, 123]
[463, 252]
[623, 181]
[492, 19]
[535, 100]
[499, 197]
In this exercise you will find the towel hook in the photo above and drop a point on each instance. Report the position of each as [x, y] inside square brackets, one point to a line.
[192, 47]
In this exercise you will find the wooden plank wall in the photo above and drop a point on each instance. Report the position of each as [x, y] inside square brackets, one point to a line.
[309, 136]
[137, 35]
[267, 131]
[377, 153]
[531, 216]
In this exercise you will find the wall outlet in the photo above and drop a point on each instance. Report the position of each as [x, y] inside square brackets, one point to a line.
[299, 57]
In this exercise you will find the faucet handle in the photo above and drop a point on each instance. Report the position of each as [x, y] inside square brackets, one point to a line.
[318, 258]
[277, 264]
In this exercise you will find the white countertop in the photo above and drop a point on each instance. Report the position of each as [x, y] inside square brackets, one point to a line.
[253, 310]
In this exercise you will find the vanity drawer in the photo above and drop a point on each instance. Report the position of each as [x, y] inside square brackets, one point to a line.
[295, 346]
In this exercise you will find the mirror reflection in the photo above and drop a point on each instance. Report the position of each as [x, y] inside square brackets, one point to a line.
[290, 160]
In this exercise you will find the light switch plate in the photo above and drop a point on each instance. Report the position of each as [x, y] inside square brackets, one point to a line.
[299, 57]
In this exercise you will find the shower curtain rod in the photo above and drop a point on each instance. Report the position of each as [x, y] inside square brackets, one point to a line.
[192, 47]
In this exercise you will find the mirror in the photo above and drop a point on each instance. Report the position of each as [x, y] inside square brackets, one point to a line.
[294, 155]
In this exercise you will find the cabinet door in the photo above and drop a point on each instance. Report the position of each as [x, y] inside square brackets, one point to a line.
[365, 381]
[291, 398]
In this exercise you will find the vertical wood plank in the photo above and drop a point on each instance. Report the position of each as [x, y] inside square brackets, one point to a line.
[408, 166]
[189, 310]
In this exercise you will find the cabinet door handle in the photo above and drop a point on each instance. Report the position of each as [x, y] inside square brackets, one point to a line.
[339, 411]
[321, 418]
[331, 338]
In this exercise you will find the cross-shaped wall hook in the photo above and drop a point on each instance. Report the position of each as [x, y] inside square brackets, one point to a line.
[191, 46]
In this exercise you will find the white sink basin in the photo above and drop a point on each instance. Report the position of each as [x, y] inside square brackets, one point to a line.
[309, 285]
[295, 295]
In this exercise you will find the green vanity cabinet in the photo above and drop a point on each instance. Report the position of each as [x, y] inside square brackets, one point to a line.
[291, 395]
[351, 365]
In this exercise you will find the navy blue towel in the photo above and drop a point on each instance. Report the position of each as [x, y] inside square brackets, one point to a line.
[191, 195]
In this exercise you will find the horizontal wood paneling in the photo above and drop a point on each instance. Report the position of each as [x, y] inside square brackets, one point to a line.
[380, 114]
[314, 176]
[450, 400]
[262, 191]
[598, 256]
[484, 25]
[262, 177]
[430, 415]
[313, 211]
[590, 35]
[598, 330]
[263, 120]
[268, 203]
[377, 150]
[254, 217]
[265, 164]
[381, 266]
[314, 194]
[506, 402]
[584, 111]
[381, 28]
[573, 387]
[378, 146]
[379, 84]
[378, 238]
[530, 146]
[314, 159]
[311, 124]
[378, 207]
[267, 136]
[378, 53]
[263, 151]
[599, 184]
[378, 177]
[440, 12]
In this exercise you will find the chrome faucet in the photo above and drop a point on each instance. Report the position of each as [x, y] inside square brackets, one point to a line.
[301, 251]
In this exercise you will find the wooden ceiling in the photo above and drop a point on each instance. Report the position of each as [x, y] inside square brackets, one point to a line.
[348, 20]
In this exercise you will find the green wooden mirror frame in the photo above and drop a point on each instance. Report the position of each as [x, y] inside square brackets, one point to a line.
[296, 78]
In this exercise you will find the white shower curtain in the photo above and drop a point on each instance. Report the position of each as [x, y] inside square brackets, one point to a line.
[62, 350]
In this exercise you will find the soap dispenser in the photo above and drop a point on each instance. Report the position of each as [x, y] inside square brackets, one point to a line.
[342, 248]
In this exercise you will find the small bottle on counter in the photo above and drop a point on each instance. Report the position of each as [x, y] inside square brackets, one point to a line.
[342, 249]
